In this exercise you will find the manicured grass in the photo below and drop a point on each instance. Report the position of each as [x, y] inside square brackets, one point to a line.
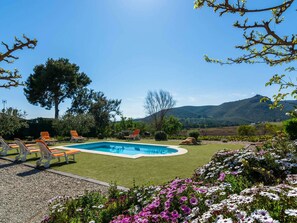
[142, 171]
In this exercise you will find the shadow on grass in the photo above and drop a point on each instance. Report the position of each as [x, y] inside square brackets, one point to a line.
[33, 159]
[12, 154]
[58, 164]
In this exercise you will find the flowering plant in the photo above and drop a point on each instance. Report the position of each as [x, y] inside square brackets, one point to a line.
[255, 184]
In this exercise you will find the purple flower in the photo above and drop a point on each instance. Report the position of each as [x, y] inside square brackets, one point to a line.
[185, 209]
[222, 176]
[193, 201]
[183, 199]
[164, 215]
[167, 204]
[188, 180]
[169, 195]
[181, 189]
[175, 214]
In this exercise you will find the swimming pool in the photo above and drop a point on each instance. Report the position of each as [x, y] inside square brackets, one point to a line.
[128, 150]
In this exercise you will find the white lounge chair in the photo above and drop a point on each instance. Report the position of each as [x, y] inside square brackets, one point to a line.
[25, 150]
[46, 154]
[6, 147]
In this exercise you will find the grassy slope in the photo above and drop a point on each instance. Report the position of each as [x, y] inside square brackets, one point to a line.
[143, 171]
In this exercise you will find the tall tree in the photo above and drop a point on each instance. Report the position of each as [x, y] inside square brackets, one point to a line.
[265, 41]
[96, 103]
[10, 78]
[157, 104]
[52, 83]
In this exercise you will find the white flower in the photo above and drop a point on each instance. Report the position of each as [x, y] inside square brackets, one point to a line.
[232, 207]
[224, 220]
[208, 202]
[291, 212]
[271, 196]
[292, 193]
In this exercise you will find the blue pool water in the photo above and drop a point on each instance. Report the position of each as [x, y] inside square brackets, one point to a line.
[125, 148]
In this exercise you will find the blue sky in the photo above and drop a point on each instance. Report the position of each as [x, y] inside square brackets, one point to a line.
[128, 47]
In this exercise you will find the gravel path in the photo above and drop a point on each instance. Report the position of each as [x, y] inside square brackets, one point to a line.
[24, 191]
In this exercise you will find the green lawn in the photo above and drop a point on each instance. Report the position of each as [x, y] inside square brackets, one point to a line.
[143, 171]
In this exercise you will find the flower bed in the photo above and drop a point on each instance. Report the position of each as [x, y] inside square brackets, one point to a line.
[248, 185]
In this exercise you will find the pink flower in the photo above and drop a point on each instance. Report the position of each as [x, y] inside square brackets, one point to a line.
[222, 176]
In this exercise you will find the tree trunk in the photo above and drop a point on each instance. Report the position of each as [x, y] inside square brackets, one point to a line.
[56, 109]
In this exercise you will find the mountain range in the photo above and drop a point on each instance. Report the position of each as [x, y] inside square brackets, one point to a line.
[245, 111]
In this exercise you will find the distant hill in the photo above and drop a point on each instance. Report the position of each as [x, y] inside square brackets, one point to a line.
[245, 111]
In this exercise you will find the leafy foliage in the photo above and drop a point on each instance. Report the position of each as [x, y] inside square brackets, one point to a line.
[172, 125]
[82, 123]
[95, 103]
[194, 134]
[53, 82]
[11, 120]
[11, 78]
[160, 136]
[291, 128]
[246, 130]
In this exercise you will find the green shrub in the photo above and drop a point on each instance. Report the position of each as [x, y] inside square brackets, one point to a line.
[160, 136]
[291, 128]
[237, 138]
[194, 134]
[122, 134]
[172, 125]
[246, 130]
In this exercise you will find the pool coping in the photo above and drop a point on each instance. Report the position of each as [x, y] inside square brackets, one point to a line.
[180, 151]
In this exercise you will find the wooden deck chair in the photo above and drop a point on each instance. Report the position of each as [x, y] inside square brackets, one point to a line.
[46, 154]
[75, 137]
[6, 147]
[45, 136]
[134, 135]
[25, 150]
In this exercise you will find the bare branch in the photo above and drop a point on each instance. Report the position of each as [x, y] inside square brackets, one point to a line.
[11, 79]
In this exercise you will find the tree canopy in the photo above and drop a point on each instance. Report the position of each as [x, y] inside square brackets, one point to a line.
[10, 78]
[53, 82]
[104, 110]
[265, 41]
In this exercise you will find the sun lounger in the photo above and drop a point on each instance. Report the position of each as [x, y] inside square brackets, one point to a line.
[46, 154]
[75, 137]
[25, 150]
[4, 147]
[134, 135]
[45, 136]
